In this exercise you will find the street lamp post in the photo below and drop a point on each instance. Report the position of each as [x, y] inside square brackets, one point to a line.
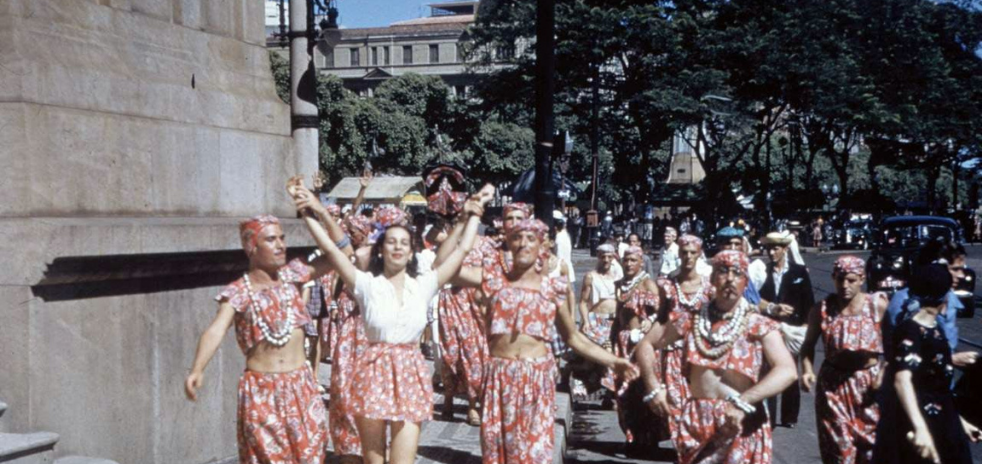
[304, 121]
[545, 25]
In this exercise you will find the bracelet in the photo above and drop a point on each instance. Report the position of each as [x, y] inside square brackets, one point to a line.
[744, 406]
[343, 242]
[650, 396]
[316, 254]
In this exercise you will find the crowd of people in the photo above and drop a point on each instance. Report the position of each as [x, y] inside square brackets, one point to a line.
[700, 351]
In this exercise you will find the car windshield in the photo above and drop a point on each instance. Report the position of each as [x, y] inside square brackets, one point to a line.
[914, 235]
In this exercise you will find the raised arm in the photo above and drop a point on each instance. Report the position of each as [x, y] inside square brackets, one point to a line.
[451, 266]
[808, 378]
[208, 344]
[365, 180]
[336, 258]
[453, 239]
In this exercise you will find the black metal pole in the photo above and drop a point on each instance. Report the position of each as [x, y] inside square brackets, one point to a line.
[545, 87]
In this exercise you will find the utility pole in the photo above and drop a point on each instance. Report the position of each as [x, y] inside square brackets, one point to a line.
[304, 120]
[592, 217]
[545, 26]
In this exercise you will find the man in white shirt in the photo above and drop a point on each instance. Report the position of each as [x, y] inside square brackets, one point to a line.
[564, 245]
[670, 253]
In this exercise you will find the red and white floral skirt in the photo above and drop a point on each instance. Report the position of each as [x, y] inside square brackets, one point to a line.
[700, 440]
[519, 409]
[281, 418]
[392, 382]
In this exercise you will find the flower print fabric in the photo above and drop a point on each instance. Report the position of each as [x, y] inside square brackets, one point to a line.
[281, 418]
[463, 342]
[519, 408]
[845, 405]
[349, 342]
[273, 304]
[392, 382]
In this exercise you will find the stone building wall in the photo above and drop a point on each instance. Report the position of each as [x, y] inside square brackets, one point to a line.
[128, 128]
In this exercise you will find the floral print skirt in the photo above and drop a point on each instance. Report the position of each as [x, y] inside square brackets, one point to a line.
[281, 418]
[699, 440]
[392, 383]
[519, 409]
[847, 412]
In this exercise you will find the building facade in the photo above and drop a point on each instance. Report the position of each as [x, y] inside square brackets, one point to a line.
[435, 45]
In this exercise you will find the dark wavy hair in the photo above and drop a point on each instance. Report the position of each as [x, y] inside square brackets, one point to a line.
[376, 264]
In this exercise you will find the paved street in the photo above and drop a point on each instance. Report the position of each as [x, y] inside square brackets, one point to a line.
[594, 436]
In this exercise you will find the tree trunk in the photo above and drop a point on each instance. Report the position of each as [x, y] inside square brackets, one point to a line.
[933, 173]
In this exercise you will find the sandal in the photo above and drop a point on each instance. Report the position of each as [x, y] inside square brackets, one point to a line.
[473, 418]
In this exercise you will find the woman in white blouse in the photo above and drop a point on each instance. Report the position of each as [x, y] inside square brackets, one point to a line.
[392, 382]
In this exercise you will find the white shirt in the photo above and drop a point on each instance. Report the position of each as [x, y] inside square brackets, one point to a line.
[385, 321]
[758, 274]
[601, 288]
[670, 259]
[564, 251]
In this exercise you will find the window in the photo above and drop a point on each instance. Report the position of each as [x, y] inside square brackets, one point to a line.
[461, 49]
[385, 56]
[374, 56]
[460, 91]
[407, 54]
[505, 52]
[434, 53]
[355, 57]
[329, 58]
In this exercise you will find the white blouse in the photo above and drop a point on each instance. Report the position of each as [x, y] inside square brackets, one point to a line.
[385, 321]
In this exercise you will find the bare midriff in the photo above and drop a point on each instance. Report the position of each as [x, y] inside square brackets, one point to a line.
[517, 346]
[708, 383]
[608, 306]
[270, 359]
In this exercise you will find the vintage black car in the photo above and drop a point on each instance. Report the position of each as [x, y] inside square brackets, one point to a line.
[895, 246]
[855, 234]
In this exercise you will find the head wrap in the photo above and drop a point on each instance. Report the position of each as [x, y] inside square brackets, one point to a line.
[849, 264]
[689, 239]
[388, 217]
[360, 223]
[445, 199]
[728, 233]
[333, 209]
[731, 258]
[606, 248]
[250, 228]
[539, 228]
[671, 230]
[634, 250]
[524, 207]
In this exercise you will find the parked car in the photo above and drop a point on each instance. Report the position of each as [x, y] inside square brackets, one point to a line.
[855, 234]
[895, 246]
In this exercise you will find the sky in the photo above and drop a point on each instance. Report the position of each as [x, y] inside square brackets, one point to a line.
[377, 13]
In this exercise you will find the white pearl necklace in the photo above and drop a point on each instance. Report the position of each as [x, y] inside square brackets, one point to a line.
[281, 337]
[714, 344]
[683, 300]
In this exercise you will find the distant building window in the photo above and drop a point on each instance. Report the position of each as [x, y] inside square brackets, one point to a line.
[505, 52]
[385, 57]
[434, 54]
[460, 53]
[681, 171]
[329, 59]
[374, 56]
[461, 91]
[407, 54]
[355, 57]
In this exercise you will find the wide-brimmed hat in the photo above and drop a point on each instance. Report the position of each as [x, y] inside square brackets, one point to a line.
[783, 238]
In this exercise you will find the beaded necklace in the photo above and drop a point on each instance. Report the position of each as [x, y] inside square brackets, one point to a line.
[684, 300]
[714, 344]
[624, 290]
[281, 337]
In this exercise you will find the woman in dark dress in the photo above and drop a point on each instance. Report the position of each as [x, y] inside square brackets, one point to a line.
[928, 427]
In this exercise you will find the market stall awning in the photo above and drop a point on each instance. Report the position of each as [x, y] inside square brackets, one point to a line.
[381, 190]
